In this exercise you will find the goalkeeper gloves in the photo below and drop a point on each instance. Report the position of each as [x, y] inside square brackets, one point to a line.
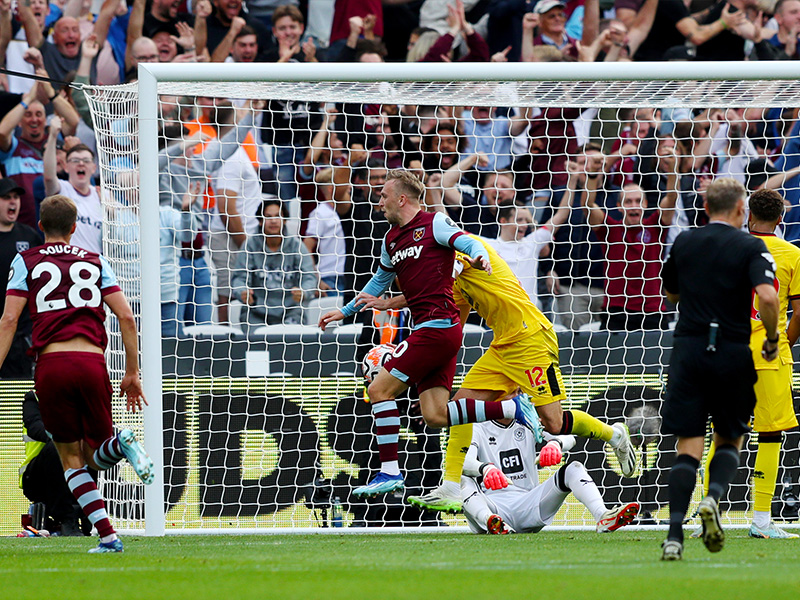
[550, 455]
[494, 478]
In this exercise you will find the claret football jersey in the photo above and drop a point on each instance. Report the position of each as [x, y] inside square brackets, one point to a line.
[64, 286]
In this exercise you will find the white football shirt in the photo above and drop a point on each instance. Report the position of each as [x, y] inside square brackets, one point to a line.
[89, 227]
[523, 258]
[238, 175]
[325, 225]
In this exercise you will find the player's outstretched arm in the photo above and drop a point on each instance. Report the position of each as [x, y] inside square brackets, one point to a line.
[375, 288]
[448, 234]
[365, 300]
[482, 263]
[330, 317]
[8, 323]
[130, 386]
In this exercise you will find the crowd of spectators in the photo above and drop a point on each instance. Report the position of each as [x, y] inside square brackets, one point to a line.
[273, 206]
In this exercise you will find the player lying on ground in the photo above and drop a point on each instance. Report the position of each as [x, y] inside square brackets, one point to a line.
[523, 355]
[419, 250]
[64, 288]
[512, 499]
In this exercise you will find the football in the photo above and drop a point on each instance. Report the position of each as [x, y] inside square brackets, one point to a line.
[375, 359]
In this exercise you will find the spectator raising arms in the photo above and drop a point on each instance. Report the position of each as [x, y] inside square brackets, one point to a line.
[634, 249]
[21, 155]
[78, 187]
[442, 49]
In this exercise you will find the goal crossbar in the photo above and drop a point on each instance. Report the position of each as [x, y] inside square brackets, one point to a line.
[592, 84]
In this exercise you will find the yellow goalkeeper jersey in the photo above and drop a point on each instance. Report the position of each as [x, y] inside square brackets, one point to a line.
[787, 283]
[498, 298]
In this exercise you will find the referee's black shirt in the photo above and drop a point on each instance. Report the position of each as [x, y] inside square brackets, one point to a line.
[714, 270]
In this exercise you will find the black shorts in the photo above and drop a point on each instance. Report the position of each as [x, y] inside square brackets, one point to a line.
[702, 384]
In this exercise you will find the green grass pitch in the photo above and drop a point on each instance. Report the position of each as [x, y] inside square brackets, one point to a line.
[554, 565]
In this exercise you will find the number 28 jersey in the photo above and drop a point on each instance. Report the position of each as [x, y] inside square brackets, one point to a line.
[64, 286]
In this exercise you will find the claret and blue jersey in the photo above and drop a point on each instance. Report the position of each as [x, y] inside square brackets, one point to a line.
[64, 286]
[421, 254]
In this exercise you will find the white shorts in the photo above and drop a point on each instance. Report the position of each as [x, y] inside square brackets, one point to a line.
[524, 511]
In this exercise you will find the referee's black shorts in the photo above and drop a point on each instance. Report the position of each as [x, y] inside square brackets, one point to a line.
[702, 383]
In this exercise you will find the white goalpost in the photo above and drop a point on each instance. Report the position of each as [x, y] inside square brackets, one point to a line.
[261, 425]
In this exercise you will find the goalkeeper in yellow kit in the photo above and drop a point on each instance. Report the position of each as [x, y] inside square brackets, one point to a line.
[523, 355]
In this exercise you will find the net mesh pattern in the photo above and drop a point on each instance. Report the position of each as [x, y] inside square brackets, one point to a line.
[265, 418]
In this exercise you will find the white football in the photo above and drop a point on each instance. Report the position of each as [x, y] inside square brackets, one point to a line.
[375, 359]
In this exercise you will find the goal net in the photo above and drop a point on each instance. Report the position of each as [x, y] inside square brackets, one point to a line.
[241, 204]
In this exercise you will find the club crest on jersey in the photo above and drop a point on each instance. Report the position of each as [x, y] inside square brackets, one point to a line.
[519, 435]
[23, 245]
[419, 232]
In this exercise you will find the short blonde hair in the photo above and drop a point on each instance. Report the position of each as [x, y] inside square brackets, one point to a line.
[407, 183]
[422, 45]
[58, 214]
[723, 194]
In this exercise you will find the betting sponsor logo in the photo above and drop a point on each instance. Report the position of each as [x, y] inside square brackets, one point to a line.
[410, 252]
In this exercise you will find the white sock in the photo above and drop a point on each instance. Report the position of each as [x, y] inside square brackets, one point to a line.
[584, 489]
[509, 408]
[475, 506]
[391, 467]
[108, 538]
[451, 488]
[616, 438]
[761, 519]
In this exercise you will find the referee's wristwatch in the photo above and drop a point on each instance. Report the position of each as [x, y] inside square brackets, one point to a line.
[776, 340]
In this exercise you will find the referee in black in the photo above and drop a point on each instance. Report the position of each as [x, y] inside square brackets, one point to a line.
[713, 272]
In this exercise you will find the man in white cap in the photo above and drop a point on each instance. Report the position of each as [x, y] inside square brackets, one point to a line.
[552, 20]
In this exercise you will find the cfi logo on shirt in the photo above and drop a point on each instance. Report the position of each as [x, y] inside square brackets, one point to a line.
[418, 234]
